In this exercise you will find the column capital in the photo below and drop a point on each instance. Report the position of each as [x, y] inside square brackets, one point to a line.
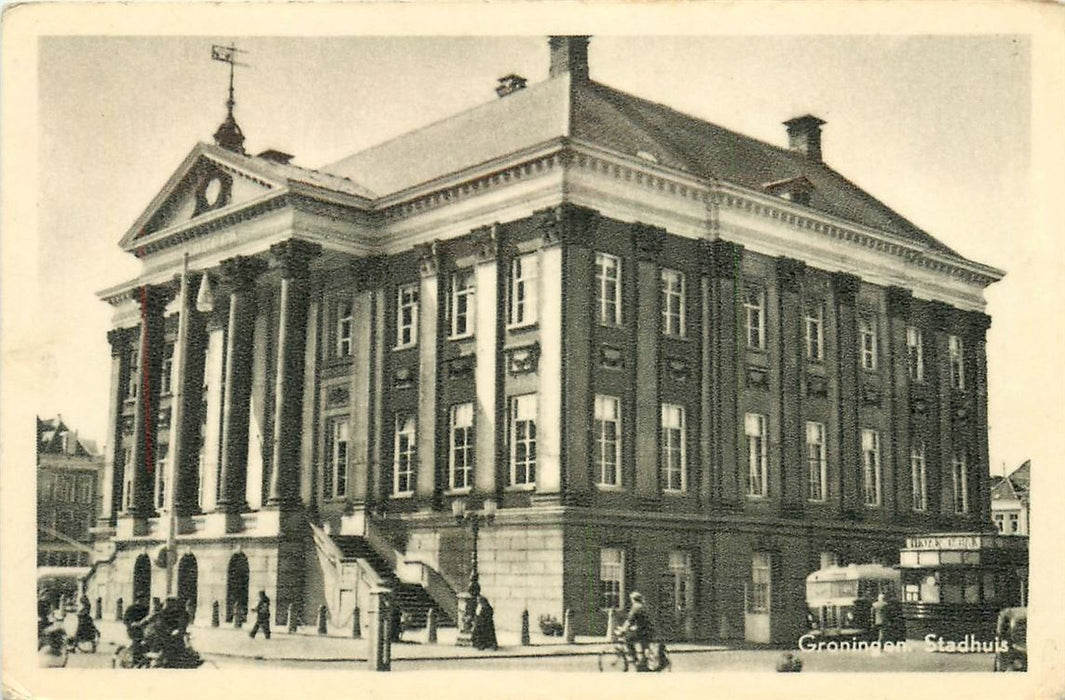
[293, 257]
[368, 272]
[428, 258]
[485, 241]
[979, 323]
[647, 240]
[846, 286]
[726, 258]
[943, 316]
[567, 223]
[153, 298]
[790, 273]
[120, 339]
[899, 301]
[241, 271]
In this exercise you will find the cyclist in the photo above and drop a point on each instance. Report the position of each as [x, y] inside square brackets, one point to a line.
[636, 630]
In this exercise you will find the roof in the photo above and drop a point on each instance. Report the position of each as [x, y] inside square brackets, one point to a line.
[270, 167]
[50, 434]
[1015, 485]
[590, 112]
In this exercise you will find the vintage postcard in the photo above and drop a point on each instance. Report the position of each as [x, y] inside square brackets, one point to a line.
[372, 348]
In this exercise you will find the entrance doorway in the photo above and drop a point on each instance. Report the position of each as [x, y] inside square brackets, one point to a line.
[237, 587]
[677, 596]
[187, 581]
[759, 599]
[142, 579]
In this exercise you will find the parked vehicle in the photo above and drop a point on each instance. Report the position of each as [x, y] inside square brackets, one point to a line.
[1012, 628]
[618, 658]
[839, 601]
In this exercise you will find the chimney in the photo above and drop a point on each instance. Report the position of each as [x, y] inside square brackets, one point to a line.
[569, 54]
[804, 135]
[509, 84]
[275, 156]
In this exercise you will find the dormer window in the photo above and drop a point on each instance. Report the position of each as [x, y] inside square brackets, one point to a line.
[795, 189]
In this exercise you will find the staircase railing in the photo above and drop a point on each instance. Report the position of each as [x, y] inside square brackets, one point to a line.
[412, 570]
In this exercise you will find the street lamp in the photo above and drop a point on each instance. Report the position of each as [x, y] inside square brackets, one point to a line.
[474, 518]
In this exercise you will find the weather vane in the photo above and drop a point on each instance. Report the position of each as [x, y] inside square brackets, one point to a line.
[229, 135]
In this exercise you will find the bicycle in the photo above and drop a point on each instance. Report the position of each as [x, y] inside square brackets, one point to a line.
[618, 658]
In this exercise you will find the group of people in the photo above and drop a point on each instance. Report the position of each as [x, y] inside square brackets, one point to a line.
[50, 614]
[162, 630]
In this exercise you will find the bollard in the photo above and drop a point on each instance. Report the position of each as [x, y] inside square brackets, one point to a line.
[356, 628]
[291, 622]
[525, 628]
[239, 616]
[215, 616]
[430, 626]
[380, 647]
[323, 617]
[99, 608]
[567, 626]
[611, 622]
[156, 604]
[118, 609]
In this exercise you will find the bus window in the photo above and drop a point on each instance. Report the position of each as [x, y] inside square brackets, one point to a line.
[950, 585]
[972, 587]
[912, 593]
[989, 586]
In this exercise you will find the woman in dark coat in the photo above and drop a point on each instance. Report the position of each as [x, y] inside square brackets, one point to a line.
[483, 634]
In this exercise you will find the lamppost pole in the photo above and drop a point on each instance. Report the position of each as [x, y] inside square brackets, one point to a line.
[468, 600]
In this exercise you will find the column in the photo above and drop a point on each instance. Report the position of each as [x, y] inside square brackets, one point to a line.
[152, 300]
[648, 244]
[845, 293]
[364, 391]
[729, 336]
[792, 427]
[485, 373]
[898, 308]
[186, 410]
[549, 422]
[293, 258]
[943, 323]
[114, 469]
[425, 480]
[980, 499]
[240, 273]
[704, 297]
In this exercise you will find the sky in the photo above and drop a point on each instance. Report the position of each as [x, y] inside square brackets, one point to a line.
[937, 127]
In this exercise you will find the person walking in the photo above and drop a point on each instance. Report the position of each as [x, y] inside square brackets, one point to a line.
[879, 614]
[262, 616]
[483, 634]
[637, 631]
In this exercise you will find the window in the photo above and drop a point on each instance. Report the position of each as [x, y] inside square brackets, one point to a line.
[463, 294]
[612, 577]
[1015, 523]
[335, 475]
[673, 303]
[754, 317]
[524, 271]
[915, 353]
[134, 370]
[608, 440]
[406, 455]
[166, 371]
[957, 362]
[407, 316]
[523, 439]
[679, 591]
[345, 328]
[160, 476]
[999, 522]
[608, 286]
[918, 471]
[960, 470]
[674, 452]
[815, 334]
[754, 426]
[84, 489]
[460, 457]
[871, 467]
[867, 340]
[815, 461]
[758, 592]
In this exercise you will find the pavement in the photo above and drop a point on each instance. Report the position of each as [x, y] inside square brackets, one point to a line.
[306, 645]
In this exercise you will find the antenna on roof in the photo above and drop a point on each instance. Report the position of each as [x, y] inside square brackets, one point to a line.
[229, 135]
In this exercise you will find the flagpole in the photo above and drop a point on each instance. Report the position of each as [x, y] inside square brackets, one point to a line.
[176, 453]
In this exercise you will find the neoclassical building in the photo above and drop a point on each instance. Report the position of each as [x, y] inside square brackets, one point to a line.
[667, 356]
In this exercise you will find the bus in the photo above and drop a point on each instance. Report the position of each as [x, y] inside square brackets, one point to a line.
[839, 600]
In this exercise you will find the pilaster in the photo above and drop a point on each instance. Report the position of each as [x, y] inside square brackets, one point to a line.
[793, 485]
[647, 241]
[487, 408]
[426, 477]
[845, 292]
[728, 334]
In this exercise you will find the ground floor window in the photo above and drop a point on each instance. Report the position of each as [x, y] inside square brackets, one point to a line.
[612, 577]
[758, 589]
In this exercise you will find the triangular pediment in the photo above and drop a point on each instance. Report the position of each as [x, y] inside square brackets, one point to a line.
[209, 180]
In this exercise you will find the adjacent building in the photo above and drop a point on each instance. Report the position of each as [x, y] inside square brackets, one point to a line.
[1010, 500]
[69, 470]
[668, 357]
